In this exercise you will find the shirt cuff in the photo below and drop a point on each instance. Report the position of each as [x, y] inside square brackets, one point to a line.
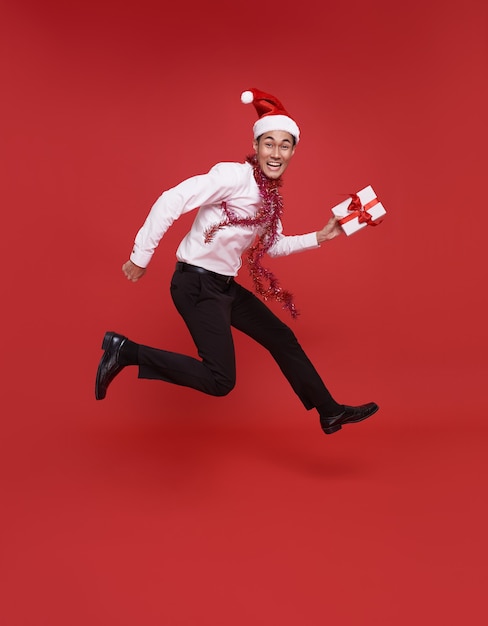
[311, 240]
[140, 258]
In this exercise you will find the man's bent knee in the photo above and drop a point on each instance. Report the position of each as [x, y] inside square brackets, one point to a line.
[223, 388]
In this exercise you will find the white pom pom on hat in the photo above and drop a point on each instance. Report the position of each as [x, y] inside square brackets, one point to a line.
[247, 97]
[272, 114]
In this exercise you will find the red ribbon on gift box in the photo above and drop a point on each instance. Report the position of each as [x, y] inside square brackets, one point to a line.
[357, 209]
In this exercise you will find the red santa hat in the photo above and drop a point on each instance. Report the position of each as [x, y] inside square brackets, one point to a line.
[272, 114]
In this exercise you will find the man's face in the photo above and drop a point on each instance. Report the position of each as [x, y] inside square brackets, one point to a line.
[274, 150]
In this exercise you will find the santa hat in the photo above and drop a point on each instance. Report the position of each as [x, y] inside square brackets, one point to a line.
[272, 114]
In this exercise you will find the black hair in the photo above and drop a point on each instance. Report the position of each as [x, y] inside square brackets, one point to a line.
[294, 138]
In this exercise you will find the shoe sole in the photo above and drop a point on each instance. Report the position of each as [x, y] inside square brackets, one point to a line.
[332, 429]
[98, 394]
[105, 345]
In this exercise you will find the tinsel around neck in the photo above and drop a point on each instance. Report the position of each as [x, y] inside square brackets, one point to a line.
[266, 220]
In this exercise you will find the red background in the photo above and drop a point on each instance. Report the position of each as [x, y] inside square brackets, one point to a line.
[163, 506]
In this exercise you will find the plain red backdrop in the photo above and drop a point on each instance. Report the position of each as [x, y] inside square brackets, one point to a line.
[162, 506]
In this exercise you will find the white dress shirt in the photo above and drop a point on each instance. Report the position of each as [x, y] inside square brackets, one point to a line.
[232, 183]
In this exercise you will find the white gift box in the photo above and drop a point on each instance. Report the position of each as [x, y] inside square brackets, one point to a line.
[355, 215]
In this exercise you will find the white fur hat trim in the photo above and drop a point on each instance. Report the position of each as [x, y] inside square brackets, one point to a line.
[276, 122]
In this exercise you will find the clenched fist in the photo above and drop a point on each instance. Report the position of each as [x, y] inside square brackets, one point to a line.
[132, 271]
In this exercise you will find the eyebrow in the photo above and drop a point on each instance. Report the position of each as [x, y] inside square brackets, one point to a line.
[273, 139]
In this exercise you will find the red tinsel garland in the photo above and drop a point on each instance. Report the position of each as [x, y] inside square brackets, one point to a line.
[266, 219]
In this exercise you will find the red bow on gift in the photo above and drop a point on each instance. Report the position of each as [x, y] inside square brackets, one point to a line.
[361, 212]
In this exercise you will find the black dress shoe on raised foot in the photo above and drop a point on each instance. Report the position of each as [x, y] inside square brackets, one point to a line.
[350, 415]
[109, 365]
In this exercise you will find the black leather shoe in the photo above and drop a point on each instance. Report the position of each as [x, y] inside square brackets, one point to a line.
[350, 415]
[109, 365]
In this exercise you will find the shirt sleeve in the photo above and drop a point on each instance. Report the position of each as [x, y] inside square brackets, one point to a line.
[215, 186]
[289, 244]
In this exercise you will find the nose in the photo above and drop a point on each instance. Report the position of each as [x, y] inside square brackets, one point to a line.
[275, 151]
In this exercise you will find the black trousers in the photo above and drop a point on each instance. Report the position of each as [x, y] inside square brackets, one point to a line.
[211, 307]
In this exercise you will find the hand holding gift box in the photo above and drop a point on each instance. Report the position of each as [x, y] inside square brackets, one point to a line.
[362, 209]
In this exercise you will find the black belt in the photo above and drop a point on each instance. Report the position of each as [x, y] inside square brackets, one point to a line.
[186, 267]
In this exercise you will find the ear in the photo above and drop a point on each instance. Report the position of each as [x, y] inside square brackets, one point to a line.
[255, 145]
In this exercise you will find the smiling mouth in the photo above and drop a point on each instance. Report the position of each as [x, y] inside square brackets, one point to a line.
[273, 164]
